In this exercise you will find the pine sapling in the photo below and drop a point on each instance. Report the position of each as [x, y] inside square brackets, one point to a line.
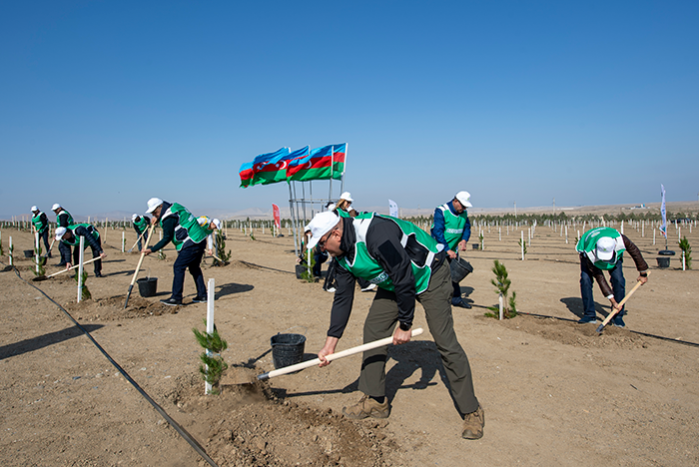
[161, 254]
[39, 271]
[86, 292]
[221, 249]
[480, 240]
[687, 250]
[522, 246]
[215, 366]
[502, 286]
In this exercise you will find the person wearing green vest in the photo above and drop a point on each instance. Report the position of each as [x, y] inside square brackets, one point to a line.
[452, 229]
[602, 249]
[41, 225]
[407, 265]
[210, 226]
[70, 236]
[140, 225]
[63, 219]
[182, 229]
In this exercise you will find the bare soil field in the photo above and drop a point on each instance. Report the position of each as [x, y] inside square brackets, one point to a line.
[554, 392]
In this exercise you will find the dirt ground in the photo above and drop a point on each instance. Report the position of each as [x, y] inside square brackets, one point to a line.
[554, 392]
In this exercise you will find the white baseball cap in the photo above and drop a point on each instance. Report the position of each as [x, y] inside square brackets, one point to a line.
[56, 206]
[605, 248]
[34, 209]
[217, 223]
[60, 232]
[463, 197]
[134, 217]
[321, 224]
[346, 196]
[152, 204]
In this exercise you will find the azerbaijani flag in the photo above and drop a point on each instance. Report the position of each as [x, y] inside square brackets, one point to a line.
[246, 174]
[339, 153]
[663, 228]
[270, 168]
[317, 165]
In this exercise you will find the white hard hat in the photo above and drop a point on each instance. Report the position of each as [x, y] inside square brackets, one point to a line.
[152, 204]
[34, 209]
[463, 197]
[346, 196]
[60, 232]
[56, 206]
[321, 224]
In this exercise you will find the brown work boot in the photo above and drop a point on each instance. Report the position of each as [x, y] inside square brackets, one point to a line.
[473, 424]
[367, 407]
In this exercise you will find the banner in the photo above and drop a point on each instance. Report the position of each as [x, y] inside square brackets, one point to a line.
[392, 208]
[663, 228]
[277, 217]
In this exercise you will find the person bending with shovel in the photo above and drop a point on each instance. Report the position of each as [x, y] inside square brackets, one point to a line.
[41, 224]
[602, 249]
[407, 265]
[70, 236]
[182, 228]
[140, 225]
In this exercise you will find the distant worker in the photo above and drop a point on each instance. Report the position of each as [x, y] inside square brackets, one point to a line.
[63, 219]
[140, 225]
[344, 204]
[70, 236]
[182, 228]
[41, 225]
[407, 265]
[602, 249]
[210, 226]
[452, 229]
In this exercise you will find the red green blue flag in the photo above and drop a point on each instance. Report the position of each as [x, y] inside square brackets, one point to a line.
[270, 168]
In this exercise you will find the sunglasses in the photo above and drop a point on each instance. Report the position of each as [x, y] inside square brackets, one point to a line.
[321, 242]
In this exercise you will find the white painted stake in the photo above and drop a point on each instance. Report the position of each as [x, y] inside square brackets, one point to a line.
[209, 322]
[123, 241]
[622, 227]
[500, 306]
[10, 250]
[643, 229]
[80, 269]
[522, 242]
[36, 250]
[499, 234]
[529, 240]
[683, 264]
[566, 234]
[653, 235]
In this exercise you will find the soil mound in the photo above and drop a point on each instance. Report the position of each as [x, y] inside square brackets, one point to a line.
[112, 308]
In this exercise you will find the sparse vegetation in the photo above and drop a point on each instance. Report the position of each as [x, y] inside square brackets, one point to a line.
[213, 364]
[523, 246]
[687, 250]
[86, 295]
[221, 249]
[502, 286]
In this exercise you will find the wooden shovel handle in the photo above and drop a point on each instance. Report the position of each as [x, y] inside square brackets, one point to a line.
[334, 356]
[73, 267]
[621, 303]
[143, 255]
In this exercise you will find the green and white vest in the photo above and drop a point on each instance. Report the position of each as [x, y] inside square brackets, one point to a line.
[76, 240]
[141, 224]
[64, 213]
[588, 245]
[421, 249]
[187, 226]
[38, 224]
[453, 226]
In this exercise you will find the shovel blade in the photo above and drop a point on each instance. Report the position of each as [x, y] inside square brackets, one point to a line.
[599, 328]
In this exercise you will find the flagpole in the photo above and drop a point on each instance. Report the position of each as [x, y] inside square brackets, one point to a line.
[342, 180]
[293, 223]
[332, 169]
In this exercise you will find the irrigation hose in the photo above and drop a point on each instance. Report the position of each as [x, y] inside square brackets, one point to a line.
[187, 437]
[669, 339]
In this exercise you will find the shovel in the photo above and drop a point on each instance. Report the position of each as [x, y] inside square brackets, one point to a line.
[50, 248]
[616, 310]
[136, 242]
[331, 357]
[140, 261]
[43, 278]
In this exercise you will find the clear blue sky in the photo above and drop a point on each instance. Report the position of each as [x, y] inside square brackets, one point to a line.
[105, 104]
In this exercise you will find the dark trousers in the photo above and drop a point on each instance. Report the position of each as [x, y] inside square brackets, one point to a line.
[45, 236]
[455, 285]
[145, 236]
[586, 279]
[381, 321]
[189, 257]
[95, 254]
[64, 250]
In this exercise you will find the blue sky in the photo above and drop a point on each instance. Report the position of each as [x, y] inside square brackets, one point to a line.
[106, 104]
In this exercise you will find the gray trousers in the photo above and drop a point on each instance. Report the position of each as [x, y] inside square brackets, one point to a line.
[381, 321]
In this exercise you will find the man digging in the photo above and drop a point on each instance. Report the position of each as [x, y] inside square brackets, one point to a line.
[407, 265]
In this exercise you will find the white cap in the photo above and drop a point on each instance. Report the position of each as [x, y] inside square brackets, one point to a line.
[217, 223]
[60, 232]
[152, 204]
[134, 217]
[330, 207]
[34, 209]
[605, 248]
[321, 224]
[463, 197]
[56, 206]
[346, 195]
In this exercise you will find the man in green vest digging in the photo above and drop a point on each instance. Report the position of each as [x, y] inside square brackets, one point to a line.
[70, 236]
[407, 265]
[602, 249]
[452, 229]
[41, 225]
[63, 219]
[182, 228]
[140, 225]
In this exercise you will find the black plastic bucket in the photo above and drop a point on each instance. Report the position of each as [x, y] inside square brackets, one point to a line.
[663, 262]
[287, 349]
[300, 268]
[460, 268]
[475, 246]
[29, 253]
[147, 287]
